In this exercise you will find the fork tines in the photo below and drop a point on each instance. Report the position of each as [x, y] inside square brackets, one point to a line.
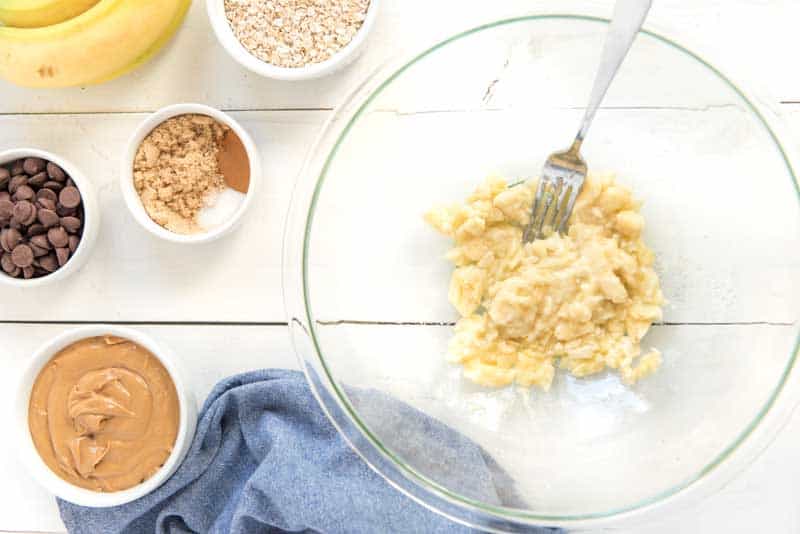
[555, 197]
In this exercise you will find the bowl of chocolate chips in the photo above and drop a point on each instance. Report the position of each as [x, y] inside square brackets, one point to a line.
[48, 218]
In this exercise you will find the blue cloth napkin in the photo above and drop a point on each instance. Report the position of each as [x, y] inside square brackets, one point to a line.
[266, 459]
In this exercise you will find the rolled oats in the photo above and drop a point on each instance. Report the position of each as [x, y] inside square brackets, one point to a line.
[295, 33]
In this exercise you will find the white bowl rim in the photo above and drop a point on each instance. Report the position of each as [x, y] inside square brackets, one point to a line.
[91, 217]
[60, 487]
[132, 199]
[225, 35]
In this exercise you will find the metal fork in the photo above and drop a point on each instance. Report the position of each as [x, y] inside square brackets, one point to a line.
[565, 172]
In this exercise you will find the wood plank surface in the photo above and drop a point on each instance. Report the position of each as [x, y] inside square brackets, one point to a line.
[763, 498]
[207, 293]
[195, 67]
[133, 276]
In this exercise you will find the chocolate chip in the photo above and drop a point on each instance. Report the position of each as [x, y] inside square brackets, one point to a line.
[36, 229]
[24, 192]
[69, 197]
[17, 167]
[41, 217]
[32, 218]
[22, 256]
[55, 186]
[6, 209]
[71, 224]
[55, 172]
[65, 212]
[33, 165]
[48, 194]
[23, 212]
[49, 263]
[46, 203]
[40, 241]
[58, 237]
[38, 251]
[62, 255]
[17, 181]
[48, 218]
[13, 238]
[38, 180]
[7, 263]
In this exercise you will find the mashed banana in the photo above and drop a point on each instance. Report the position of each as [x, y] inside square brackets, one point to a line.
[582, 301]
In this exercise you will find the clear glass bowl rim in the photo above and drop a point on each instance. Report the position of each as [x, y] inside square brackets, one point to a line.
[501, 517]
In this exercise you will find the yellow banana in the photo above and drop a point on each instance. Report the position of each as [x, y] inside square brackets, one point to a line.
[108, 40]
[38, 13]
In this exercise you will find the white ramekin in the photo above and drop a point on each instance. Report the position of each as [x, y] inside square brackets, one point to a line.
[59, 486]
[342, 58]
[132, 199]
[91, 218]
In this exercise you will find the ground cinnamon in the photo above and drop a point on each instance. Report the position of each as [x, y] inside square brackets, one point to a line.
[233, 163]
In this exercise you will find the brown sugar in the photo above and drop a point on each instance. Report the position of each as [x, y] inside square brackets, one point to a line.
[233, 162]
[176, 170]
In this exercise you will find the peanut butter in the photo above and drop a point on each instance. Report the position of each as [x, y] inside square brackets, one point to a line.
[104, 414]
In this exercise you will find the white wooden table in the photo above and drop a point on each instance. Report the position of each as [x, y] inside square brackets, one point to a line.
[218, 302]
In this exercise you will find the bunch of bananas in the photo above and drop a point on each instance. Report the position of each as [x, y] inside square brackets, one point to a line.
[62, 43]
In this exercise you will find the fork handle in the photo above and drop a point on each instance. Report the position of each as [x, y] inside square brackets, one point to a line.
[625, 24]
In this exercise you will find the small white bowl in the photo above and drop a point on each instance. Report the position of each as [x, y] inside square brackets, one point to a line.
[59, 486]
[133, 200]
[91, 218]
[342, 58]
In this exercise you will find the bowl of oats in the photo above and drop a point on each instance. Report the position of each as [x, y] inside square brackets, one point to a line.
[292, 40]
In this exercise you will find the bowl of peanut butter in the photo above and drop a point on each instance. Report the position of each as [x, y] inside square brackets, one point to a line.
[103, 415]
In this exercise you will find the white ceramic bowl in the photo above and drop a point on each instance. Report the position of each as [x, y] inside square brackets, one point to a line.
[132, 199]
[59, 486]
[91, 215]
[342, 58]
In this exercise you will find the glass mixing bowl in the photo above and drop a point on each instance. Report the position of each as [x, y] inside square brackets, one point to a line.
[366, 280]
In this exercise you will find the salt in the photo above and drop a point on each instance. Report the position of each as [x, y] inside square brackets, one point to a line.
[220, 208]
